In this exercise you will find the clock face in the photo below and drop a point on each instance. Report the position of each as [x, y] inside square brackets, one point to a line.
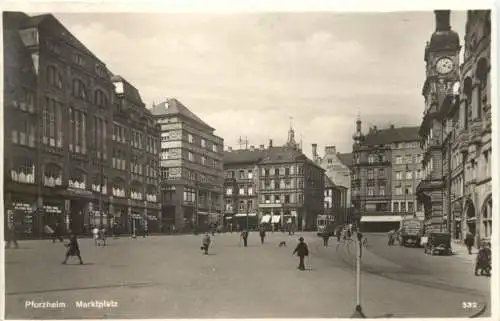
[444, 65]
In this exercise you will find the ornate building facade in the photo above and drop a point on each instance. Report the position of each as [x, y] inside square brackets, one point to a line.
[289, 187]
[466, 122]
[190, 168]
[59, 106]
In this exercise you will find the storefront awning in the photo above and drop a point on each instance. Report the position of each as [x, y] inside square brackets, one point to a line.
[265, 219]
[276, 219]
[245, 214]
[380, 218]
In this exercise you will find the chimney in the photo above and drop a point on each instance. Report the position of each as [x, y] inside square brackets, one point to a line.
[315, 150]
[270, 143]
[442, 20]
[252, 148]
[262, 147]
[229, 149]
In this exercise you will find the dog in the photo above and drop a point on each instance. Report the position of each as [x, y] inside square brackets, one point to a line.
[282, 244]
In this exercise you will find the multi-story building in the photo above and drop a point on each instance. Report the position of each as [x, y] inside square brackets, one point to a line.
[289, 186]
[406, 172]
[335, 201]
[58, 101]
[241, 186]
[465, 119]
[380, 159]
[336, 170]
[190, 167]
[135, 161]
[442, 71]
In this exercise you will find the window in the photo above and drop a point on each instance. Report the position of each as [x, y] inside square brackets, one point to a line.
[399, 176]
[250, 204]
[409, 175]
[23, 171]
[371, 191]
[381, 172]
[266, 172]
[419, 173]
[79, 89]
[250, 191]
[190, 138]
[242, 205]
[203, 160]
[190, 157]
[408, 190]
[54, 77]
[370, 174]
[100, 98]
[242, 190]
[403, 207]
[79, 60]
[399, 190]
[203, 143]
[277, 199]
[250, 174]
[399, 160]
[229, 191]
[242, 174]
[395, 206]
[410, 207]
[267, 199]
[301, 199]
[381, 190]
[214, 148]
[371, 159]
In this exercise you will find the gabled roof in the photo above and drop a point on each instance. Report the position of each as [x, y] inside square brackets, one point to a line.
[345, 158]
[38, 20]
[243, 156]
[391, 135]
[174, 107]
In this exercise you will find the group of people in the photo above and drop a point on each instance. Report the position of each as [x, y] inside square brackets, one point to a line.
[301, 250]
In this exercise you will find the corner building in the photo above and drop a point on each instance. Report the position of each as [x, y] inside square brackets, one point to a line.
[467, 149]
[58, 110]
[191, 170]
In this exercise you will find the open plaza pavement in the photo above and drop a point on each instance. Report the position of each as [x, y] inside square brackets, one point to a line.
[169, 277]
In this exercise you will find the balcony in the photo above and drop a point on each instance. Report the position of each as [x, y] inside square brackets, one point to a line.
[476, 130]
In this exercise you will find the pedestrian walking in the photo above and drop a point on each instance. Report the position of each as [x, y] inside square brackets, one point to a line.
[102, 236]
[339, 234]
[390, 236]
[244, 236]
[73, 249]
[302, 251]
[11, 235]
[206, 243]
[173, 229]
[262, 233]
[469, 242]
[57, 233]
[326, 237]
[95, 234]
[483, 260]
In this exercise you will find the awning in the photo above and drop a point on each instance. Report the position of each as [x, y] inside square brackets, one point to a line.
[245, 214]
[381, 218]
[276, 219]
[265, 219]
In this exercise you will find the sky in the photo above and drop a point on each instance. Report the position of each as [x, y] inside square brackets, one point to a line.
[254, 74]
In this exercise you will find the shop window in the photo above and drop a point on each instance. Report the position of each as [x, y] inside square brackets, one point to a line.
[24, 171]
[52, 175]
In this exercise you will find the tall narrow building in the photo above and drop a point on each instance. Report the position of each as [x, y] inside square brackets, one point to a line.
[442, 73]
[190, 168]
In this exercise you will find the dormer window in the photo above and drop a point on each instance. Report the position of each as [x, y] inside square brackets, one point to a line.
[119, 87]
[101, 71]
[79, 89]
[79, 60]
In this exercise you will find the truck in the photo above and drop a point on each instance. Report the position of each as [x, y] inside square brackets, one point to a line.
[410, 232]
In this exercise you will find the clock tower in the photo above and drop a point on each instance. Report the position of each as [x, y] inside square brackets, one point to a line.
[442, 73]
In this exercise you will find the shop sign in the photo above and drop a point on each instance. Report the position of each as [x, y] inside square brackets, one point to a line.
[52, 209]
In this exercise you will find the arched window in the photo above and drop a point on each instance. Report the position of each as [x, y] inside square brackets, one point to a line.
[100, 98]
[79, 89]
[77, 179]
[54, 77]
[52, 175]
[136, 192]
[118, 188]
[23, 171]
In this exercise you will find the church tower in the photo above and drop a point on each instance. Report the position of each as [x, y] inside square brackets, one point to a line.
[291, 137]
[358, 135]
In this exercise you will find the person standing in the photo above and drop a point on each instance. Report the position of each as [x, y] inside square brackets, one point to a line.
[326, 237]
[339, 234]
[302, 251]
[57, 233]
[244, 236]
[469, 242]
[11, 235]
[206, 243]
[390, 235]
[73, 249]
[483, 260]
[262, 233]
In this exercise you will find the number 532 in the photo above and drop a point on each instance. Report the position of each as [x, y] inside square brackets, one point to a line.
[469, 305]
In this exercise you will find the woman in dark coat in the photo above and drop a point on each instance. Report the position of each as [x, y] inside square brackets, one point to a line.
[301, 251]
[73, 248]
